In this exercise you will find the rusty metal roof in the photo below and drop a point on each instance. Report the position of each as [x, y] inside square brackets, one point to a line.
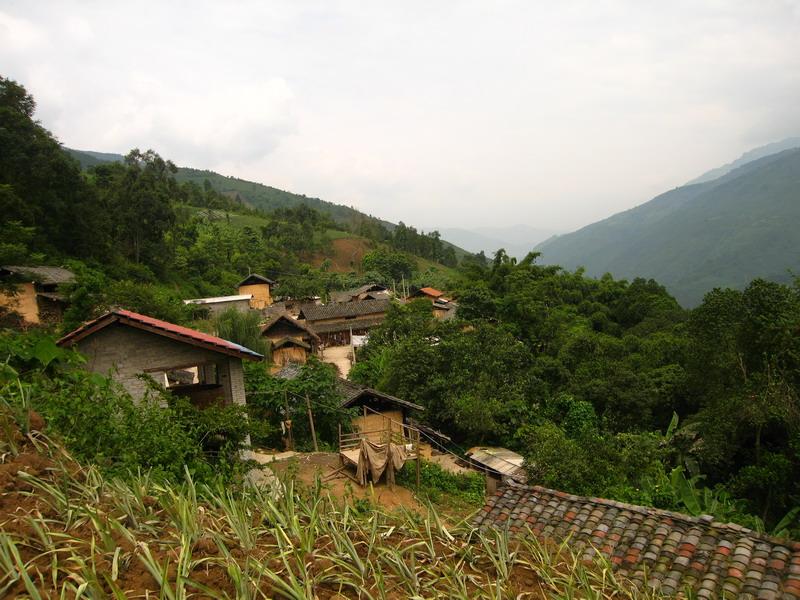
[159, 327]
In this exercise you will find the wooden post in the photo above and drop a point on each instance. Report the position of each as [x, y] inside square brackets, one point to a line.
[288, 420]
[311, 422]
[418, 459]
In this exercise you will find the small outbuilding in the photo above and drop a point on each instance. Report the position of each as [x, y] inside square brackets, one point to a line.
[220, 304]
[34, 293]
[259, 288]
[130, 347]
[290, 340]
[378, 411]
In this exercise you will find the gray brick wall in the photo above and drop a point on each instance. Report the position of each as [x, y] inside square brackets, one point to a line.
[125, 353]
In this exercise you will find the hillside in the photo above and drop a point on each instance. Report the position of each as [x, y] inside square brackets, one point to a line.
[258, 195]
[719, 233]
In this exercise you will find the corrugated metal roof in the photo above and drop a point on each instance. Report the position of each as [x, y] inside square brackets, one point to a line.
[501, 460]
[219, 299]
[316, 312]
[159, 327]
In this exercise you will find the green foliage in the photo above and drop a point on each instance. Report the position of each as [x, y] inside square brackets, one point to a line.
[101, 424]
[443, 487]
[389, 265]
[242, 328]
[269, 397]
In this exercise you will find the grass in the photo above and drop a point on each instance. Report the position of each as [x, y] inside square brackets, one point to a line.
[66, 531]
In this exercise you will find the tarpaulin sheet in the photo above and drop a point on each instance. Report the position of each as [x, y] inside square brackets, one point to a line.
[374, 459]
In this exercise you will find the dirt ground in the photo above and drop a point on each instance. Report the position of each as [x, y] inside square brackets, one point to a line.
[339, 356]
[347, 254]
[304, 468]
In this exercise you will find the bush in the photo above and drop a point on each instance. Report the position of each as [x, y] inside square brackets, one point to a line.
[435, 483]
[101, 423]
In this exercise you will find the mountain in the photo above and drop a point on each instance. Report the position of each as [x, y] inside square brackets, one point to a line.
[517, 240]
[254, 194]
[724, 232]
[749, 156]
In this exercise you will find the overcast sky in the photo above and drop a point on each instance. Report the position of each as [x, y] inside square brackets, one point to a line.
[553, 114]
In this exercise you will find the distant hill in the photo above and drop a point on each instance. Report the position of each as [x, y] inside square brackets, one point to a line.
[723, 232]
[750, 156]
[517, 240]
[254, 194]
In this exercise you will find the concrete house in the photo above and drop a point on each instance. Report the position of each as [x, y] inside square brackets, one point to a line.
[37, 297]
[131, 347]
[259, 288]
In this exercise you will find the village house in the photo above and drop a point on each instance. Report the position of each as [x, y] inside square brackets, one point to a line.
[130, 348]
[259, 288]
[443, 308]
[290, 340]
[336, 322]
[370, 291]
[34, 293]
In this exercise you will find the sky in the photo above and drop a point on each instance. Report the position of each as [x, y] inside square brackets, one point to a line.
[457, 114]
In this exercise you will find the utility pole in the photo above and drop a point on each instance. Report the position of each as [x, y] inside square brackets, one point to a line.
[311, 422]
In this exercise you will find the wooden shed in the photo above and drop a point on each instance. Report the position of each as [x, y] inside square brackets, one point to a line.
[126, 345]
[259, 288]
[378, 411]
[290, 340]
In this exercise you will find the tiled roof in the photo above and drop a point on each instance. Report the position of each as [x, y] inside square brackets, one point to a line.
[429, 291]
[352, 392]
[159, 327]
[667, 551]
[334, 310]
[356, 324]
[284, 316]
[348, 295]
[43, 275]
[255, 279]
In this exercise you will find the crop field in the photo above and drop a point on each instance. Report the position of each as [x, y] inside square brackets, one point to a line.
[67, 532]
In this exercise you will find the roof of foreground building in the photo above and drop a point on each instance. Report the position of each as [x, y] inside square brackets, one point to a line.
[670, 552]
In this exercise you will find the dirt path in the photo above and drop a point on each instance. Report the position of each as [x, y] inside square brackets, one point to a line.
[339, 356]
[305, 467]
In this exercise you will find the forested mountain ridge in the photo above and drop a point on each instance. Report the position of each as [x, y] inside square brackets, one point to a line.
[720, 233]
[266, 198]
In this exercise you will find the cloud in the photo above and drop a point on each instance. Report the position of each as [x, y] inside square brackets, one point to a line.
[457, 114]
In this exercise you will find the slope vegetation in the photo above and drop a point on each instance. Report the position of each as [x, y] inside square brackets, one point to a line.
[724, 232]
